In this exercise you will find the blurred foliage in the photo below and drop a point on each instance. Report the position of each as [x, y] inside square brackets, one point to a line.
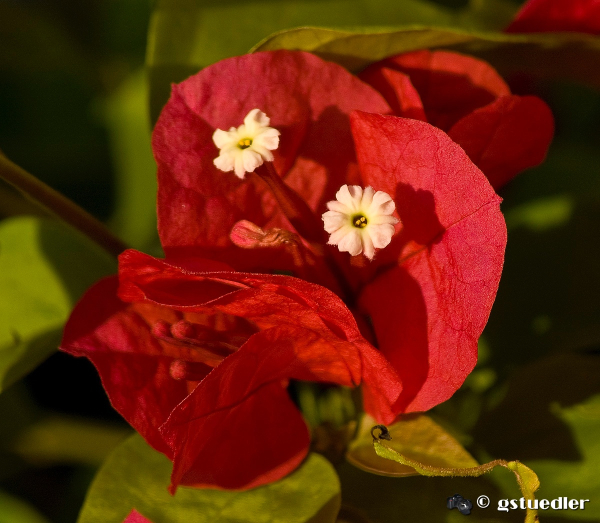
[125, 112]
[44, 270]
[13, 510]
[136, 476]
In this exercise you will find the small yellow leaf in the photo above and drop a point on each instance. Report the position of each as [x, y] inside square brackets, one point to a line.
[418, 438]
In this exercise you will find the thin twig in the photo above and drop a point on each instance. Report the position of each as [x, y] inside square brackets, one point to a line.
[60, 206]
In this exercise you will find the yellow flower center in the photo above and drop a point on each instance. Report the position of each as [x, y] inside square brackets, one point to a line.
[359, 221]
[244, 143]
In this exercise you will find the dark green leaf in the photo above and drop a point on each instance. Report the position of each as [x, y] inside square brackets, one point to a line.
[13, 510]
[44, 268]
[550, 419]
[136, 476]
[186, 35]
[553, 55]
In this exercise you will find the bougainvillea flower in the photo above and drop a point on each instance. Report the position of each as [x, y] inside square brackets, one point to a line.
[538, 16]
[196, 352]
[155, 345]
[502, 133]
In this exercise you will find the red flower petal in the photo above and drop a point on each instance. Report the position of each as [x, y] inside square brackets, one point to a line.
[557, 15]
[239, 428]
[135, 364]
[397, 90]
[430, 309]
[273, 301]
[505, 137]
[135, 517]
[308, 101]
[450, 85]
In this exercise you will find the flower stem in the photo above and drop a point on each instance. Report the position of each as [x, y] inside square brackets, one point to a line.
[293, 206]
[306, 223]
[60, 206]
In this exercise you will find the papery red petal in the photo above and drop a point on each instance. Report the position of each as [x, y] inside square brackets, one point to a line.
[308, 101]
[273, 301]
[429, 309]
[133, 363]
[507, 136]
[397, 90]
[450, 85]
[117, 340]
[239, 429]
[135, 517]
[557, 15]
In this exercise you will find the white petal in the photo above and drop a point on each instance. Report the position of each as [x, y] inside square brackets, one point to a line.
[225, 161]
[351, 243]
[344, 196]
[334, 205]
[382, 218]
[221, 138]
[268, 138]
[265, 153]
[381, 235]
[382, 204]
[369, 248]
[255, 120]
[239, 164]
[337, 236]
[251, 160]
[334, 220]
[367, 198]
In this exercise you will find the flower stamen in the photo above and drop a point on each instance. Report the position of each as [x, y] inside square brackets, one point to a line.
[359, 221]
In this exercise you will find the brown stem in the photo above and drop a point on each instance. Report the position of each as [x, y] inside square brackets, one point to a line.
[60, 206]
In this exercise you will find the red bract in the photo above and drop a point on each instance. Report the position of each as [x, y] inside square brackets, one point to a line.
[538, 16]
[196, 353]
[503, 134]
[135, 517]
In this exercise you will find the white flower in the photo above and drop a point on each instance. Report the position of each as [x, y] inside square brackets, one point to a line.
[360, 221]
[247, 147]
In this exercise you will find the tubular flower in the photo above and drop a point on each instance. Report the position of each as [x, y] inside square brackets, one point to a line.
[502, 133]
[244, 149]
[360, 220]
[198, 348]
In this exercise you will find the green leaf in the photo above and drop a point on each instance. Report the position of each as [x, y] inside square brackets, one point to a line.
[526, 478]
[126, 116]
[562, 55]
[186, 35]
[550, 418]
[417, 436]
[578, 479]
[44, 268]
[136, 476]
[64, 439]
[13, 510]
